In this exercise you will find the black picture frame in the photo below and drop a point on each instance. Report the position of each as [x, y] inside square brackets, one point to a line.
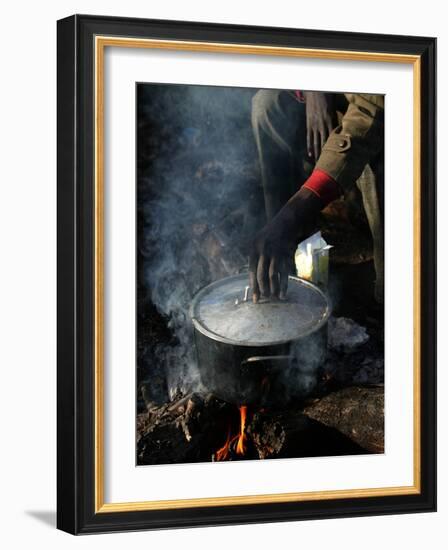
[76, 511]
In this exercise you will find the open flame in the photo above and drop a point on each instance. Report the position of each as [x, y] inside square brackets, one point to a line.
[224, 452]
[240, 447]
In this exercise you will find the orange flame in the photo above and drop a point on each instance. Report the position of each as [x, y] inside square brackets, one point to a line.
[224, 451]
[240, 448]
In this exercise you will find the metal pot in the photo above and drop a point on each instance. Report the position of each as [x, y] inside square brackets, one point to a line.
[264, 353]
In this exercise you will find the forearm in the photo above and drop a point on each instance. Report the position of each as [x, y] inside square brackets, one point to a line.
[354, 143]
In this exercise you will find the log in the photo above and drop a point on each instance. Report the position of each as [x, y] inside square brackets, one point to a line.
[291, 434]
[189, 429]
[192, 428]
[357, 412]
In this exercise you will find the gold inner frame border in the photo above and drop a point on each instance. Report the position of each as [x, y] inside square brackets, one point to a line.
[100, 43]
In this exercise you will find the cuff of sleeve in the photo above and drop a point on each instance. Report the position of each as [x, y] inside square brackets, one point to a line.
[324, 186]
[300, 96]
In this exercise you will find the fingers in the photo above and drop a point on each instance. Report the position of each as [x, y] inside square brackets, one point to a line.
[253, 262]
[316, 135]
[258, 276]
[274, 285]
[263, 275]
[313, 143]
[269, 266]
[309, 141]
[316, 145]
[268, 276]
[284, 273]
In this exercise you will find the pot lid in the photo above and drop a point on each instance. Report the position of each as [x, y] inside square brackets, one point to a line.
[221, 312]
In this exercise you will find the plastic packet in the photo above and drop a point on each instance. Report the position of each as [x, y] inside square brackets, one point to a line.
[312, 259]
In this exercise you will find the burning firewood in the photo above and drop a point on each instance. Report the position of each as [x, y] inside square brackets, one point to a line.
[196, 428]
[186, 430]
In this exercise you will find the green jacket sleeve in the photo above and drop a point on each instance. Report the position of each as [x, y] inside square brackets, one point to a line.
[356, 141]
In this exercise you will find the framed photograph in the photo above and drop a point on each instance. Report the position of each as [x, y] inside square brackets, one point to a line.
[246, 274]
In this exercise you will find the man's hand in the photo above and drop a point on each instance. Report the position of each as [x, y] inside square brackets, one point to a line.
[320, 119]
[273, 248]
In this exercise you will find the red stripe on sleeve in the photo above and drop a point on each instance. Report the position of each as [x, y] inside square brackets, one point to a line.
[300, 96]
[324, 186]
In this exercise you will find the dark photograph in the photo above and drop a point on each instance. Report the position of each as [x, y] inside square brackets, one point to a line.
[260, 274]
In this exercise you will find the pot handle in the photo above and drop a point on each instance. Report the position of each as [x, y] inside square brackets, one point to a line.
[270, 358]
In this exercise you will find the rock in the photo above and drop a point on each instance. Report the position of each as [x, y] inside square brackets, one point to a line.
[345, 334]
[357, 412]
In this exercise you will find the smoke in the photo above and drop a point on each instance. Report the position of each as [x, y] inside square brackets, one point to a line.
[198, 199]
[309, 354]
[197, 194]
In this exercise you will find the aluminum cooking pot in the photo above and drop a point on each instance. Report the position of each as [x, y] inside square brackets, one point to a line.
[264, 353]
